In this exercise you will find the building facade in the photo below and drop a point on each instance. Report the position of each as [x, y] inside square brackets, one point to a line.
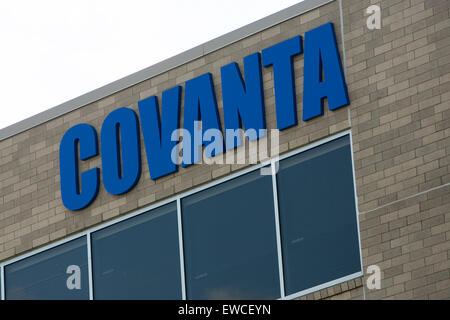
[357, 179]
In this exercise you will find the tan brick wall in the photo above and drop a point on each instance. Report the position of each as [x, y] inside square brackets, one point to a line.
[399, 80]
[409, 240]
[399, 87]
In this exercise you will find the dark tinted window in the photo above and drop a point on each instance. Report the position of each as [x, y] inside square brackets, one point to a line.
[138, 258]
[58, 273]
[318, 216]
[230, 241]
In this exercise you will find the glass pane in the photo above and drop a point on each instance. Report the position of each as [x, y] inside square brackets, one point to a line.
[59, 273]
[138, 258]
[317, 216]
[230, 241]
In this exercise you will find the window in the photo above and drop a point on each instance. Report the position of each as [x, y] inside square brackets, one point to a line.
[138, 258]
[59, 273]
[230, 240]
[317, 216]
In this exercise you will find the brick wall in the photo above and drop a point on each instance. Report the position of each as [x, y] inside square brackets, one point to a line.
[399, 81]
[399, 87]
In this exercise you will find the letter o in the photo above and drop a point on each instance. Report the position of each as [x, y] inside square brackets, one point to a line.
[121, 152]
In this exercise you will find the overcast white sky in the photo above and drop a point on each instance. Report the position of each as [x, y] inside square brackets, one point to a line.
[54, 51]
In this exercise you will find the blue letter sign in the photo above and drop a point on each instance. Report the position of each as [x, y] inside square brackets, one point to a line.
[158, 144]
[199, 105]
[280, 56]
[121, 151]
[243, 102]
[243, 108]
[323, 76]
[78, 194]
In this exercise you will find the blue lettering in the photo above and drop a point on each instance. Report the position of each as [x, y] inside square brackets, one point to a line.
[158, 144]
[77, 193]
[121, 152]
[243, 107]
[280, 56]
[199, 105]
[323, 76]
[243, 102]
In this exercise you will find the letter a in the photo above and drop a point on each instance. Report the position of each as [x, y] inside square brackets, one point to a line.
[374, 20]
[74, 281]
[323, 75]
[374, 280]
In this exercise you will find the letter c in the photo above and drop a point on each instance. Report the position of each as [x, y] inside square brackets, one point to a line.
[78, 191]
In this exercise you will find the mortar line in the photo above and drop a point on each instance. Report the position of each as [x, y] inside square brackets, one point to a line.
[406, 198]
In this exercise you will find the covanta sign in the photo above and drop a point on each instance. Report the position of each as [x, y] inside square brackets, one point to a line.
[243, 106]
